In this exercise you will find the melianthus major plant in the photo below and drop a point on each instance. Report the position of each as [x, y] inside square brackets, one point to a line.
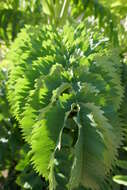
[65, 90]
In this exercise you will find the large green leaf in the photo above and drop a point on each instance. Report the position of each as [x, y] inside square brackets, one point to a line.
[65, 89]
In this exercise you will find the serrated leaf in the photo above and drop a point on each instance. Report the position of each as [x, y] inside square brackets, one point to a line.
[58, 70]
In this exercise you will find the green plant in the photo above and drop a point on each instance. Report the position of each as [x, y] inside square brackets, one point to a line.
[66, 91]
[14, 14]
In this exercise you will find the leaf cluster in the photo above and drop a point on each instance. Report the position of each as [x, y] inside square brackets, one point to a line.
[65, 90]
